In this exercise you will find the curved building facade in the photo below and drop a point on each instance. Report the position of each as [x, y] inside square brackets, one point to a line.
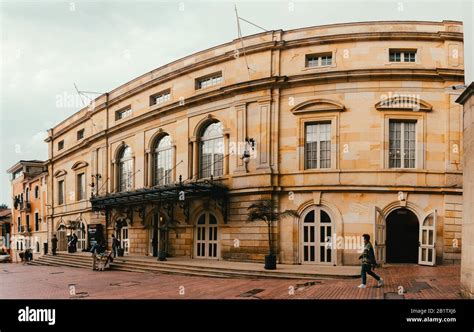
[355, 126]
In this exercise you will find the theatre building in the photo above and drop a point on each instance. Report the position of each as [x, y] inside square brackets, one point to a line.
[354, 126]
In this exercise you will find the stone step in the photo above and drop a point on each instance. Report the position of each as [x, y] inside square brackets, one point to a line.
[170, 267]
[179, 268]
[58, 263]
[62, 260]
[167, 271]
[55, 261]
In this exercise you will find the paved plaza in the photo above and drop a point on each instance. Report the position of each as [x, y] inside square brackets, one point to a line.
[44, 282]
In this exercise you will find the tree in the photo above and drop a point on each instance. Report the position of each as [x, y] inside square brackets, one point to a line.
[3, 206]
[266, 210]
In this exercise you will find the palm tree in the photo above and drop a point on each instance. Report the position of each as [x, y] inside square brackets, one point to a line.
[266, 210]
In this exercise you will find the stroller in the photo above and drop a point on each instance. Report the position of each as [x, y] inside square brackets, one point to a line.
[102, 261]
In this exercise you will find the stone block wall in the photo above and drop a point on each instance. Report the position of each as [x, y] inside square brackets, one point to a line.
[452, 242]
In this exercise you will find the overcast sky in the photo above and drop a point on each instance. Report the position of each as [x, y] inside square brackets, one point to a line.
[47, 46]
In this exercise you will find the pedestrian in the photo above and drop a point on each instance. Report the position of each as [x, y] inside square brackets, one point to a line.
[74, 242]
[368, 263]
[97, 249]
[54, 244]
[115, 245]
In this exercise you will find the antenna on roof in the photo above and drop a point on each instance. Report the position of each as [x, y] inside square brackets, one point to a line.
[83, 94]
[239, 34]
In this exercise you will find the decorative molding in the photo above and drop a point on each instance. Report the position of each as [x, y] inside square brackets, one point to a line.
[208, 119]
[59, 173]
[78, 165]
[317, 197]
[435, 74]
[265, 100]
[318, 105]
[155, 138]
[403, 103]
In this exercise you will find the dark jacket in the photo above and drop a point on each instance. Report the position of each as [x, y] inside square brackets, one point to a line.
[368, 256]
[97, 249]
[54, 242]
[115, 243]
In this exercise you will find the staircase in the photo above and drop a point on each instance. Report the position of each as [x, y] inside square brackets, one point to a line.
[147, 265]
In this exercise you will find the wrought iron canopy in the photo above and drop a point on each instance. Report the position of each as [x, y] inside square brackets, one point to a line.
[180, 193]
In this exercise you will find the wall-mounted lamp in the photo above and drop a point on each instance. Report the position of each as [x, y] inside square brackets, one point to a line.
[249, 144]
[94, 187]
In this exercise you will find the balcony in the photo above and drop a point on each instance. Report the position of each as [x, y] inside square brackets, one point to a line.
[25, 207]
[25, 230]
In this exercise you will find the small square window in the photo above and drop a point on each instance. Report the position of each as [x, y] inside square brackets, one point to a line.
[319, 60]
[160, 97]
[210, 80]
[410, 56]
[60, 145]
[80, 134]
[312, 61]
[123, 113]
[402, 55]
[326, 60]
[395, 56]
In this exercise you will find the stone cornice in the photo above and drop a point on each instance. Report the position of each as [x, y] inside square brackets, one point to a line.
[436, 74]
[265, 46]
[371, 36]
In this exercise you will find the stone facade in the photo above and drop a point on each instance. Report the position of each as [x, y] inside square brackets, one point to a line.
[358, 94]
[29, 229]
[467, 261]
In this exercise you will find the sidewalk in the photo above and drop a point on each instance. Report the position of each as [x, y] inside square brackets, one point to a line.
[48, 282]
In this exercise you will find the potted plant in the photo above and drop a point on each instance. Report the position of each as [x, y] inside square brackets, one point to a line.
[266, 210]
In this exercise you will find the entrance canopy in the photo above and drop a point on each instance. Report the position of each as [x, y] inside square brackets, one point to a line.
[179, 194]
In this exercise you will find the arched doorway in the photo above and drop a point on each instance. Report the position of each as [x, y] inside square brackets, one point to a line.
[81, 237]
[122, 235]
[62, 238]
[402, 240]
[206, 236]
[316, 231]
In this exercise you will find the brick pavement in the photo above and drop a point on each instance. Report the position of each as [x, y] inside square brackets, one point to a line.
[43, 282]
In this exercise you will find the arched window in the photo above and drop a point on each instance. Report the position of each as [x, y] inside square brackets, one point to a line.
[27, 194]
[162, 162]
[36, 192]
[125, 169]
[212, 151]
